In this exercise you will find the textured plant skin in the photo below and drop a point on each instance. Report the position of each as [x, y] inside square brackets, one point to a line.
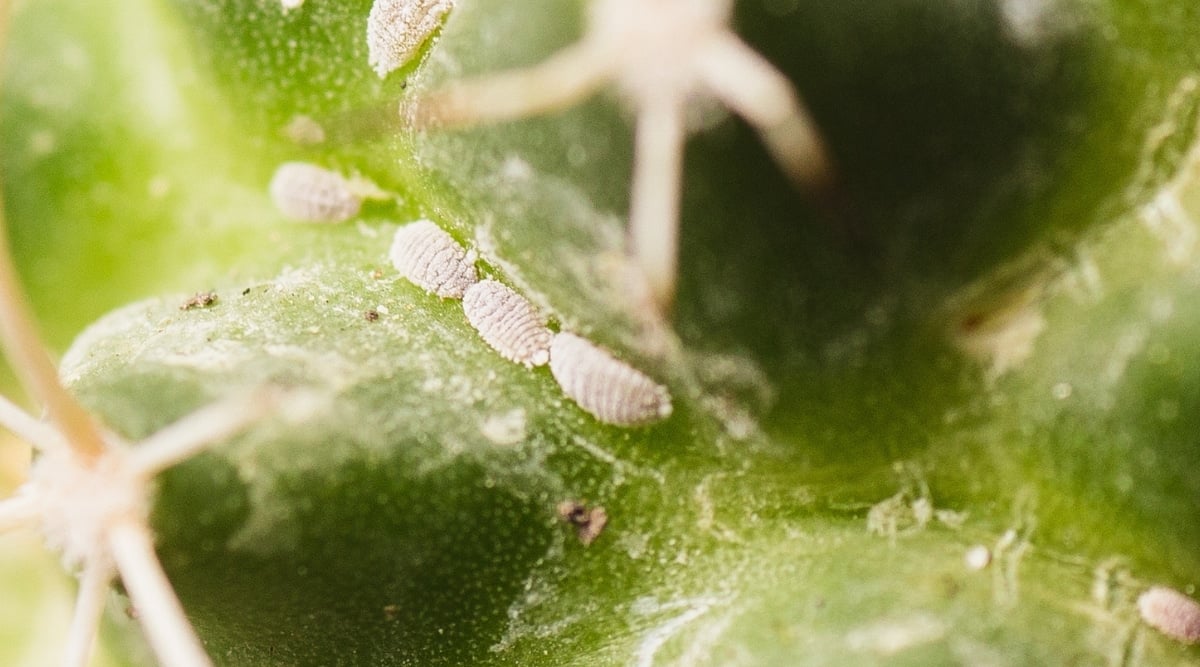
[989, 339]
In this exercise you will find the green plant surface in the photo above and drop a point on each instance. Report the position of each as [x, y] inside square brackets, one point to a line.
[985, 338]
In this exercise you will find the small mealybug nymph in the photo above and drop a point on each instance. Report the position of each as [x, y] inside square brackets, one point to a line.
[396, 29]
[508, 322]
[306, 192]
[431, 259]
[1171, 613]
[606, 387]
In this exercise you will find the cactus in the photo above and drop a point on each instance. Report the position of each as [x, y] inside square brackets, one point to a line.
[942, 409]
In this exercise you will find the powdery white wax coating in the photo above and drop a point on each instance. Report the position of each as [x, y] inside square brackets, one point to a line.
[508, 322]
[431, 259]
[609, 389]
[396, 29]
[303, 191]
[1171, 613]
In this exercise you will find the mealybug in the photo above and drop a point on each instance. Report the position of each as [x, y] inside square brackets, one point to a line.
[1171, 613]
[609, 389]
[429, 257]
[508, 322]
[396, 29]
[304, 191]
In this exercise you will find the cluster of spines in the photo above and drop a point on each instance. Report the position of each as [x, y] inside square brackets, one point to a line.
[609, 389]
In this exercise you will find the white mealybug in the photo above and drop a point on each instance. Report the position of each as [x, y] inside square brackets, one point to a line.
[303, 191]
[396, 29]
[508, 322]
[1171, 613]
[606, 387]
[431, 259]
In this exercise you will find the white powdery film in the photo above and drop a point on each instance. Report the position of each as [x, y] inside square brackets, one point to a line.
[1171, 613]
[609, 389]
[508, 322]
[431, 259]
[396, 29]
[303, 191]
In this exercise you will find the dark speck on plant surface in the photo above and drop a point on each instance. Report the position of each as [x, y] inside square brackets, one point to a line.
[589, 523]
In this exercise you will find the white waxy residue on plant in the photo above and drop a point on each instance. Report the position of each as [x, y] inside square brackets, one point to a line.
[304, 130]
[506, 428]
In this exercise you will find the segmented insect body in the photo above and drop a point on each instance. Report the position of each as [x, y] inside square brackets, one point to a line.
[303, 191]
[508, 322]
[1171, 613]
[606, 387]
[431, 259]
[396, 29]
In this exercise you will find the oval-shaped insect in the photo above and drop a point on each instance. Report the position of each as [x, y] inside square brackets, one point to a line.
[432, 260]
[396, 29]
[303, 191]
[508, 322]
[609, 389]
[1171, 613]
